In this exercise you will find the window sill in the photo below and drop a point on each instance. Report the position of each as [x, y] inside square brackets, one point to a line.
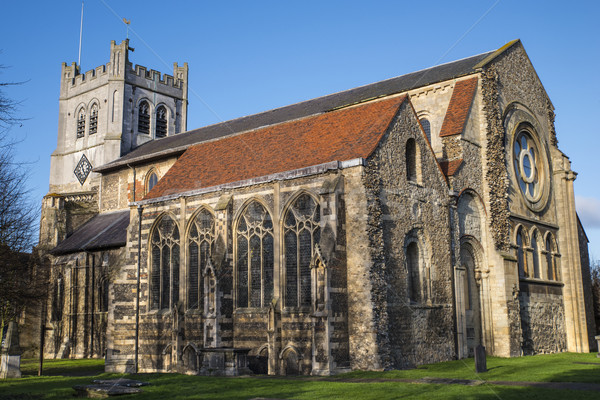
[538, 281]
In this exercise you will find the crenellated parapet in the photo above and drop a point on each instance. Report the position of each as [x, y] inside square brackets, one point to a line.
[156, 76]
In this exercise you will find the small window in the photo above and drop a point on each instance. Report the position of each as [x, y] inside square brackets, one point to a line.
[550, 257]
[161, 122]
[103, 288]
[94, 119]
[144, 118]
[81, 123]
[536, 257]
[414, 273]
[152, 180]
[411, 160]
[427, 128]
[521, 262]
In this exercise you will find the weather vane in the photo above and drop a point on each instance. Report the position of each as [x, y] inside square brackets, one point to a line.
[127, 22]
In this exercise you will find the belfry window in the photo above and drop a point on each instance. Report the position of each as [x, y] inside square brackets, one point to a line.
[254, 257]
[144, 118]
[164, 277]
[161, 122]
[302, 233]
[200, 244]
[81, 123]
[94, 119]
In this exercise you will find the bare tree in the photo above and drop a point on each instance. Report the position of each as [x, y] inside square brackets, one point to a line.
[19, 278]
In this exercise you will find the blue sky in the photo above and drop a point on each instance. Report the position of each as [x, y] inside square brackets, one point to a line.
[246, 57]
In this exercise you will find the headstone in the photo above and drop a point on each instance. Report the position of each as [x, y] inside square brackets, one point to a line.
[10, 364]
[480, 361]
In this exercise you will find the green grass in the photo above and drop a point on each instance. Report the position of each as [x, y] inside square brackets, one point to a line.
[61, 375]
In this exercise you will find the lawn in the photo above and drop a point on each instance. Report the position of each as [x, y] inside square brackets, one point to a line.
[61, 375]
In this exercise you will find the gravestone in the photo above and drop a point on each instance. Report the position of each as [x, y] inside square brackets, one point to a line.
[10, 365]
[480, 361]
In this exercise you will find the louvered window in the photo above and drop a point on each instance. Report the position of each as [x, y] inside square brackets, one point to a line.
[81, 124]
[255, 258]
[164, 277]
[302, 234]
[144, 118]
[161, 122]
[200, 244]
[94, 119]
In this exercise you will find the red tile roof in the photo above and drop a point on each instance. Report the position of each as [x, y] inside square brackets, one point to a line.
[449, 168]
[340, 135]
[458, 109]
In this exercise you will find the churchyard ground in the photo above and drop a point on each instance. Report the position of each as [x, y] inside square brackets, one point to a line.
[61, 375]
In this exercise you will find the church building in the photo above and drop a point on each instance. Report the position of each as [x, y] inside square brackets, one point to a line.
[387, 226]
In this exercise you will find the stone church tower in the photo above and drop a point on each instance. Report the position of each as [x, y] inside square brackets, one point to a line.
[104, 114]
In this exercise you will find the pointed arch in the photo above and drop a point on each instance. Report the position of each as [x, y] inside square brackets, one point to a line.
[417, 268]
[164, 245]
[536, 246]
[80, 115]
[94, 107]
[254, 255]
[201, 237]
[144, 111]
[162, 121]
[301, 234]
[521, 241]
[150, 180]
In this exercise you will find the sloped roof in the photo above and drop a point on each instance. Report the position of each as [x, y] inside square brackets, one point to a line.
[177, 144]
[340, 135]
[108, 230]
[458, 109]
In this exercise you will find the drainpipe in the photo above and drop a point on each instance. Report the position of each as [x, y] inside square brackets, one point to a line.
[137, 291]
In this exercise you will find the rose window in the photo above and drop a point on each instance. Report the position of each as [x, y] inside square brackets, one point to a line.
[528, 166]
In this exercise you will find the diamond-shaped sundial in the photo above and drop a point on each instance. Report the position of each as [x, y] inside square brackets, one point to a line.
[83, 169]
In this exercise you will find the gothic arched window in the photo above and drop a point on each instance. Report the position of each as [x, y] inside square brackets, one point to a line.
[427, 128]
[255, 257]
[144, 117]
[536, 256]
[94, 119]
[161, 122]
[301, 234]
[58, 298]
[550, 252]
[521, 262]
[200, 244]
[151, 181]
[414, 272]
[164, 277]
[81, 123]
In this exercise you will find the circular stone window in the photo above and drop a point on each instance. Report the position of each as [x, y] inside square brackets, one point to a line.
[530, 169]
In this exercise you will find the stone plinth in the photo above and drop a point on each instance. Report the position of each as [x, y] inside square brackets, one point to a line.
[225, 361]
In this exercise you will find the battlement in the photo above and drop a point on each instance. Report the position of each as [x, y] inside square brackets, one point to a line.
[90, 75]
[155, 76]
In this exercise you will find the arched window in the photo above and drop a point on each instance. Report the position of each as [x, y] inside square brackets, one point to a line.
[255, 257]
[301, 234]
[426, 127]
[164, 277]
[521, 261]
[161, 122]
[468, 262]
[81, 123]
[151, 181]
[200, 245]
[414, 273]
[550, 252]
[144, 117]
[94, 119]
[411, 160]
[536, 256]
[58, 298]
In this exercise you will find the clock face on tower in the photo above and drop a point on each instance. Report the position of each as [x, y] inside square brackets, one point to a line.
[83, 169]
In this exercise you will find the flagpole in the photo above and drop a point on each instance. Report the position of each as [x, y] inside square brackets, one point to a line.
[80, 33]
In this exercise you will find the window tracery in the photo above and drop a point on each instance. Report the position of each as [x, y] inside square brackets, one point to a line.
[144, 117]
[94, 119]
[200, 244]
[301, 234]
[81, 123]
[255, 257]
[164, 277]
[161, 122]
